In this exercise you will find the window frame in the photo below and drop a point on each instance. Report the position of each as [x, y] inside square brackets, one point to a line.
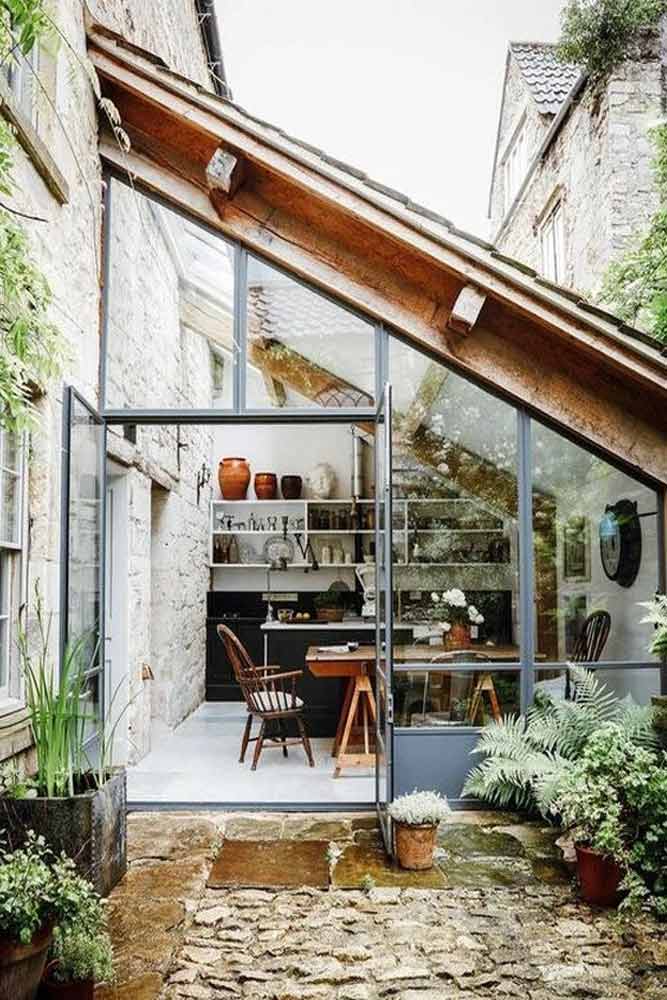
[515, 164]
[11, 575]
[552, 244]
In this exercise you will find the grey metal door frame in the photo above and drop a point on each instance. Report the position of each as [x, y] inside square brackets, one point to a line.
[384, 617]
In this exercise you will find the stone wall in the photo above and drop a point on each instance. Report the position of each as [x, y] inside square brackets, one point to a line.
[599, 166]
[67, 247]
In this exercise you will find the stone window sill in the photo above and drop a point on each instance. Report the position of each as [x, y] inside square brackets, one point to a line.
[33, 146]
[15, 731]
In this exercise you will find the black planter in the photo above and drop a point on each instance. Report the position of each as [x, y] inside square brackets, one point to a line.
[91, 828]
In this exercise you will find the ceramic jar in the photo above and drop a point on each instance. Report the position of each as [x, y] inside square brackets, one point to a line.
[291, 487]
[234, 478]
[266, 485]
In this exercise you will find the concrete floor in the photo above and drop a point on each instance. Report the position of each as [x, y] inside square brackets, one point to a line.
[198, 763]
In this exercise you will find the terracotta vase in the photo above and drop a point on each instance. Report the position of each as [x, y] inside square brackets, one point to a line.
[266, 485]
[234, 478]
[599, 877]
[22, 965]
[291, 487]
[458, 637]
[415, 845]
[82, 989]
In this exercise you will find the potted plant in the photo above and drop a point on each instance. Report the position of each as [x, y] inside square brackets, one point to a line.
[456, 616]
[416, 818]
[80, 958]
[614, 800]
[330, 605]
[78, 808]
[38, 892]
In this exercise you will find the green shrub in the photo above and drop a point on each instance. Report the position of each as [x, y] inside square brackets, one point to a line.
[597, 34]
[81, 955]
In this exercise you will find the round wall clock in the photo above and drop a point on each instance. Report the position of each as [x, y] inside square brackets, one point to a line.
[621, 542]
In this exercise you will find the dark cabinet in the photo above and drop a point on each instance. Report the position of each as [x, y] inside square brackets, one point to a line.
[220, 681]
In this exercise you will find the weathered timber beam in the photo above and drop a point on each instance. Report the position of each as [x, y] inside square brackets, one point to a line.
[275, 390]
[224, 175]
[283, 364]
[465, 311]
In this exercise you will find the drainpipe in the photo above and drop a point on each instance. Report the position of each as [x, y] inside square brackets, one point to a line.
[208, 23]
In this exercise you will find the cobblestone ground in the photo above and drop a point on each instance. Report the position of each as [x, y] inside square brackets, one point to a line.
[504, 920]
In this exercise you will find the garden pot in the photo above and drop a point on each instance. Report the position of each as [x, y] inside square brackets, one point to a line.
[458, 637]
[22, 965]
[330, 614]
[266, 485]
[291, 487]
[599, 877]
[91, 828]
[234, 478]
[415, 845]
[82, 989]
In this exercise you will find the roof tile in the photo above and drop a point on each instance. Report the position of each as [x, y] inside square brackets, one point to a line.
[548, 79]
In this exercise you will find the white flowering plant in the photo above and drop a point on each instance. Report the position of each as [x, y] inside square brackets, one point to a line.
[454, 609]
[419, 809]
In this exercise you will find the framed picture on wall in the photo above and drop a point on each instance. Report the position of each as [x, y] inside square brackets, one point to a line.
[575, 610]
[577, 549]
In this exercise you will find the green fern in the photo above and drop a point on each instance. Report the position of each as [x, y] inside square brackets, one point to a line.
[526, 757]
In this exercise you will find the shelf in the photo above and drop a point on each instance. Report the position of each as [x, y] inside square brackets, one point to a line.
[458, 531]
[290, 566]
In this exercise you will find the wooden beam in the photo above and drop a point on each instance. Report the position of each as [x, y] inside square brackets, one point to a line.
[224, 175]
[465, 311]
[275, 390]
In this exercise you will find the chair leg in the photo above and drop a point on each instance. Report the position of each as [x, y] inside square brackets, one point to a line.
[305, 740]
[283, 735]
[246, 738]
[258, 746]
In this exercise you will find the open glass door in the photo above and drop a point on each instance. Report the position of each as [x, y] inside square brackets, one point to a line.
[83, 549]
[384, 610]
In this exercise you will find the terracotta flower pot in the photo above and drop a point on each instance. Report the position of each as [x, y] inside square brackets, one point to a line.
[291, 487]
[234, 478]
[266, 485]
[458, 637]
[22, 965]
[83, 989]
[330, 614]
[599, 877]
[415, 845]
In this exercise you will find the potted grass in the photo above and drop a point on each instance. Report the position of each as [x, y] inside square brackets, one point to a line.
[39, 892]
[78, 807]
[80, 958]
[416, 818]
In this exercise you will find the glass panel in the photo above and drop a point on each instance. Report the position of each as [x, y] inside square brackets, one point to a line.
[303, 350]
[384, 618]
[451, 698]
[85, 529]
[5, 570]
[170, 314]
[455, 472]
[640, 683]
[9, 511]
[596, 554]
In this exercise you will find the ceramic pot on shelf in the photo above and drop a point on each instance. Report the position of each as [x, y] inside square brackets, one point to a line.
[234, 478]
[291, 487]
[266, 485]
[458, 637]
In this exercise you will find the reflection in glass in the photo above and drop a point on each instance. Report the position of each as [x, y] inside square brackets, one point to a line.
[455, 483]
[303, 350]
[595, 545]
[170, 330]
[638, 683]
[10, 472]
[455, 698]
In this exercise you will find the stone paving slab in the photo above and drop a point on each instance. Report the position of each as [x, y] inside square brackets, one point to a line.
[271, 864]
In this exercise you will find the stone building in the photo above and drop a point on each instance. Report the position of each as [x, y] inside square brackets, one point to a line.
[59, 179]
[572, 179]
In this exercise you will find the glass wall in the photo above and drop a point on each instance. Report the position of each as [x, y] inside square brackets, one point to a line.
[170, 308]
[304, 350]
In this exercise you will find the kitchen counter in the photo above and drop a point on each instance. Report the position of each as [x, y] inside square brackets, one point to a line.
[352, 624]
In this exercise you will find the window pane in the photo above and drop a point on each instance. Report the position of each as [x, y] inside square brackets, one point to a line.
[640, 683]
[9, 510]
[304, 350]
[455, 484]
[595, 533]
[5, 571]
[170, 330]
[449, 698]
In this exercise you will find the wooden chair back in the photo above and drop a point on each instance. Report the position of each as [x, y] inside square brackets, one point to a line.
[265, 693]
[592, 639]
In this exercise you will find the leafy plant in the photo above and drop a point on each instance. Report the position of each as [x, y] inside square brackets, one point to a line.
[419, 808]
[39, 889]
[329, 599]
[614, 799]
[56, 704]
[597, 34]
[527, 756]
[656, 614]
[78, 955]
[22, 24]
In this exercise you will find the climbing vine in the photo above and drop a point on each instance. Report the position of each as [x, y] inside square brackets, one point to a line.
[31, 347]
[596, 34]
[636, 284]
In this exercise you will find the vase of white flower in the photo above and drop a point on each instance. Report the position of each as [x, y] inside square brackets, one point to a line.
[457, 616]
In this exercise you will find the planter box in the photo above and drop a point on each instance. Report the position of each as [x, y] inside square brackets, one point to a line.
[91, 828]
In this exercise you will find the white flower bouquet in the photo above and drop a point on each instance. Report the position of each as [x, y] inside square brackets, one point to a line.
[454, 609]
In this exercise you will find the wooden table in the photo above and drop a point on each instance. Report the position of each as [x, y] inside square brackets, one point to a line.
[358, 667]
